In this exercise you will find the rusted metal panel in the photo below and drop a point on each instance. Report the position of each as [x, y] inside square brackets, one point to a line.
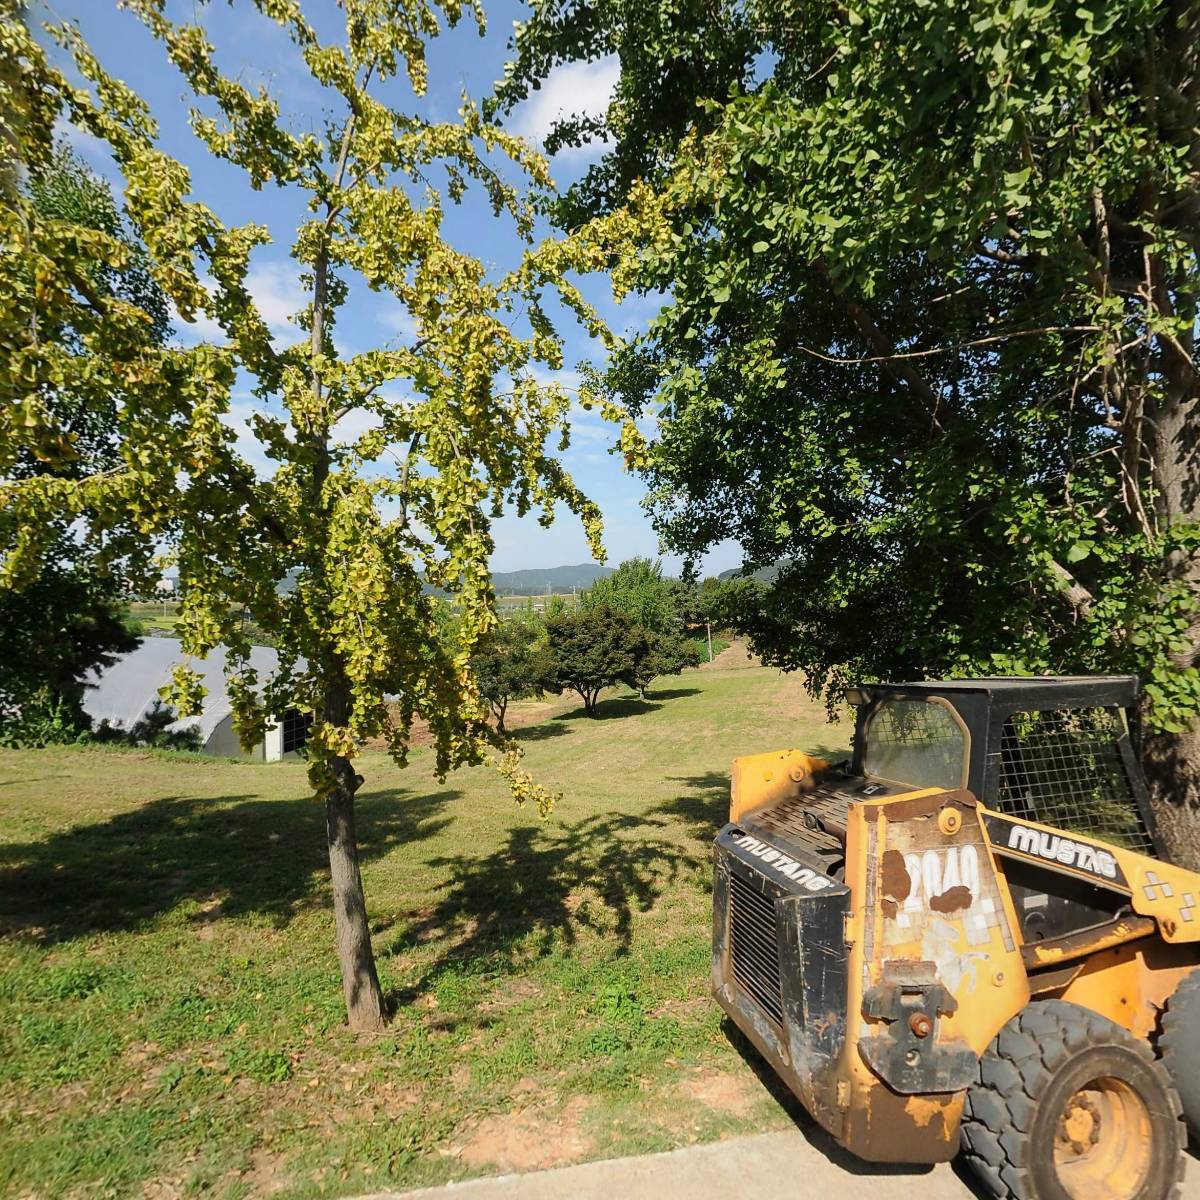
[1070, 946]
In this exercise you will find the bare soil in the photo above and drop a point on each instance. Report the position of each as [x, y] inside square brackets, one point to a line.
[721, 1091]
[735, 656]
[528, 1139]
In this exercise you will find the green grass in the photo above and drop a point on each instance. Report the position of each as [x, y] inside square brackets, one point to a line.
[159, 615]
[170, 1010]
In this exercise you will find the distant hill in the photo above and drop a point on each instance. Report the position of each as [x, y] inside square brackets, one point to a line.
[536, 582]
[543, 580]
[763, 574]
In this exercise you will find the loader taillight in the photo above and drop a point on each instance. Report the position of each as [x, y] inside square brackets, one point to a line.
[753, 946]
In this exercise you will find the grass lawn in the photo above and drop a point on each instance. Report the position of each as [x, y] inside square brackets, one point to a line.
[170, 1009]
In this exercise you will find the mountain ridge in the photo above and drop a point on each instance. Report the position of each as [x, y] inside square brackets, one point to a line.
[539, 581]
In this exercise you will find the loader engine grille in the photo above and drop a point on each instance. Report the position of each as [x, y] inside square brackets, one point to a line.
[1063, 767]
[753, 949]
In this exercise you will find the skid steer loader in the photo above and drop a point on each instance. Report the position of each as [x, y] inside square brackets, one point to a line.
[968, 936]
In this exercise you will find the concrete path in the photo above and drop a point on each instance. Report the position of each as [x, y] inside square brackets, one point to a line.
[771, 1166]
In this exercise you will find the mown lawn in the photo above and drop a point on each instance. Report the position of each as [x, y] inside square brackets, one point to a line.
[170, 1012]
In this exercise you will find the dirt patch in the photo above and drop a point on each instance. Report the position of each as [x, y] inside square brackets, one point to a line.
[894, 879]
[952, 901]
[719, 1091]
[266, 1174]
[510, 994]
[167, 1187]
[735, 656]
[531, 1139]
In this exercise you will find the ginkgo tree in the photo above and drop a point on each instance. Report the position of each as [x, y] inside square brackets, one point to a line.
[452, 428]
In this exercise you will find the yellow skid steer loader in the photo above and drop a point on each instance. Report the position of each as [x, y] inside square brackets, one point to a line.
[969, 936]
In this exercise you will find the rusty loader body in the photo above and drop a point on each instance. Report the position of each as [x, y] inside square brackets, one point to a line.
[966, 936]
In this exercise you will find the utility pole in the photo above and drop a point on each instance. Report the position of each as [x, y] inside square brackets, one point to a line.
[708, 634]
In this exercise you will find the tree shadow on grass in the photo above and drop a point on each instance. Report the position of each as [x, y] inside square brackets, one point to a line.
[537, 733]
[542, 887]
[612, 709]
[672, 693]
[247, 854]
[629, 706]
[703, 806]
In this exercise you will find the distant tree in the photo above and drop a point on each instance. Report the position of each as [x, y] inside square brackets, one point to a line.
[152, 728]
[513, 662]
[593, 649]
[659, 654]
[52, 632]
[658, 607]
[639, 589]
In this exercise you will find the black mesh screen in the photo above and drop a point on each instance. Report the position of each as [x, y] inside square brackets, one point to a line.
[1063, 768]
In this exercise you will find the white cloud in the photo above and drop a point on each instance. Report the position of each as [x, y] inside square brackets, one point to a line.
[275, 290]
[543, 376]
[398, 320]
[354, 424]
[574, 89]
[246, 442]
[276, 293]
[201, 328]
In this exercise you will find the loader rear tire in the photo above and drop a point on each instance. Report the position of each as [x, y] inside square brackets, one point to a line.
[1179, 1045]
[1070, 1106]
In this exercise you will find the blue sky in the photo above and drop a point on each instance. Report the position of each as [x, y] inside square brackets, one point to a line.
[257, 51]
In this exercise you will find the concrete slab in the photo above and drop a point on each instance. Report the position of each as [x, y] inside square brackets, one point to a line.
[770, 1166]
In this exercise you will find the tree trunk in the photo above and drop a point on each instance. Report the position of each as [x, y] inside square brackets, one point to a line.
[1172, 760]
[1172, 765]
[360, 981]
[500, 710]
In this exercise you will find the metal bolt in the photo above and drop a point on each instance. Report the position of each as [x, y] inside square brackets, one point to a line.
[920, 1024]
[949, 820]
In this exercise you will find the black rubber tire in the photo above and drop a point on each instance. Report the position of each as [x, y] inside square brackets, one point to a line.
[1037, 1062]
[1179, 1045]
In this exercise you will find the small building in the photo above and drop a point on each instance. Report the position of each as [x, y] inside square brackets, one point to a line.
[128, 691]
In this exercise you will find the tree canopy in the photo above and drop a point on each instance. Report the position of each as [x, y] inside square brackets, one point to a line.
[654, 602]
[639, 589]
[512, 661]
[457, 424]
[930, 279]
[593, 650]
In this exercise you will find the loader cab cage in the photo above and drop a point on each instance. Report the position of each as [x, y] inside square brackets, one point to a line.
[1053, 750]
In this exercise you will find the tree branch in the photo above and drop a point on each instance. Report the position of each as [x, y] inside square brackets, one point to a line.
[1071, 590]
[923, 386]
[885, 351]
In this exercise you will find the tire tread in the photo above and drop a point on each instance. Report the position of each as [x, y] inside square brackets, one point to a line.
[999, 1112]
